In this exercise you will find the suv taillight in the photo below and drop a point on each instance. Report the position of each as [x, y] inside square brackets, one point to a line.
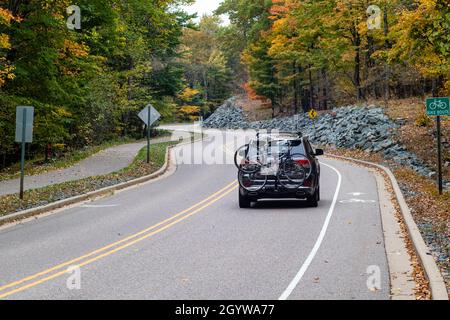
[304, 162]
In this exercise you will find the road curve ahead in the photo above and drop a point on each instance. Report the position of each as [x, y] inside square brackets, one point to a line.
[184, 237]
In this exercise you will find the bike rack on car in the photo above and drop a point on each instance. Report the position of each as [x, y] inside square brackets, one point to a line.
[285, 168]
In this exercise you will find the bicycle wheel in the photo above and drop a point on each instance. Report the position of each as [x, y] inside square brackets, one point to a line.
[433, 106]
[252, 182]
[245, 162]
[291, 174]
[442, 105]
[304, 161]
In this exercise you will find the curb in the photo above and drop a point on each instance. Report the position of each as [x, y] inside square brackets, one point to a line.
[21, 215]
[437, 284]
[88, 196]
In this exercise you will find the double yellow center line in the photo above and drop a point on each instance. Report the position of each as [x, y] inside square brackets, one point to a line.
[60, 270]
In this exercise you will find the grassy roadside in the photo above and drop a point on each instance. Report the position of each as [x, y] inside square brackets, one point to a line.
[42, 196]
[38, 166]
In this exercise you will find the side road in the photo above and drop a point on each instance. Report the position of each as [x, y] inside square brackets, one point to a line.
[104, 162]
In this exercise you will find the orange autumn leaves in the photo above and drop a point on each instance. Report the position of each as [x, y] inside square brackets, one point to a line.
[74, 50]
[300, 38]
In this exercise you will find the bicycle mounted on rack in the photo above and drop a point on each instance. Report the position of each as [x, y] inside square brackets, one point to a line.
[281, 165]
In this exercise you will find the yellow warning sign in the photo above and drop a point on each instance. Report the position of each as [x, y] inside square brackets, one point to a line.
[312, 114]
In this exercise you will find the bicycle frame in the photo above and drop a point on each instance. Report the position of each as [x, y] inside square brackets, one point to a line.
[273, 164]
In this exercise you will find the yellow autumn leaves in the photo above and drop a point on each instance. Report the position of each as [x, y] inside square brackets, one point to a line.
[188, 112]
[6, 70]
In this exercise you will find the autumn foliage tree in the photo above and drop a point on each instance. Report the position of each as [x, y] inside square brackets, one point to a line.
[304, 54]
[86, 85]
[6, 69]
[206, 67]
[422, 39]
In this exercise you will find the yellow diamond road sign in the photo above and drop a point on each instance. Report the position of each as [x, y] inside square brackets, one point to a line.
[312, 114]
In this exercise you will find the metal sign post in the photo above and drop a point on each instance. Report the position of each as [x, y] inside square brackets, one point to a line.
[439, 107]
[439, 141]
[149, 115]
[22, 152]
[24, 134]
[148, 134]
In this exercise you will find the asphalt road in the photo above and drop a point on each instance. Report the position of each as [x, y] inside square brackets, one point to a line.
[184, 237]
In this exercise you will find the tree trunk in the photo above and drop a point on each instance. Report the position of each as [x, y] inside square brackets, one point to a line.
[325, 88]
[126, 116]
[357, 73]
[205, 84]
[369, 89]
[434, 87]
[13, 6]
[294, 66]
[386, 67]
[311, 89]
[48, 152]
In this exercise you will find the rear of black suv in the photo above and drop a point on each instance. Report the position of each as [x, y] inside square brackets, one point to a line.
[301, 152]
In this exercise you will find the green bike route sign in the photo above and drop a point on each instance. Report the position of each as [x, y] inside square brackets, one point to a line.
[438, 106]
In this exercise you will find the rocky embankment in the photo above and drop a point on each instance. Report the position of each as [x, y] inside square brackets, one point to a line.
[352, 127]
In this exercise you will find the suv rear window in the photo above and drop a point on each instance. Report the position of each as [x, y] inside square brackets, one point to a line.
[281, 145]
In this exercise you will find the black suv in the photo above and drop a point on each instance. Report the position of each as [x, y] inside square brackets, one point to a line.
[278, 166]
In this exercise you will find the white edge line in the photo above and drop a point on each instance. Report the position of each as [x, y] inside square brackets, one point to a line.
[319, 241]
